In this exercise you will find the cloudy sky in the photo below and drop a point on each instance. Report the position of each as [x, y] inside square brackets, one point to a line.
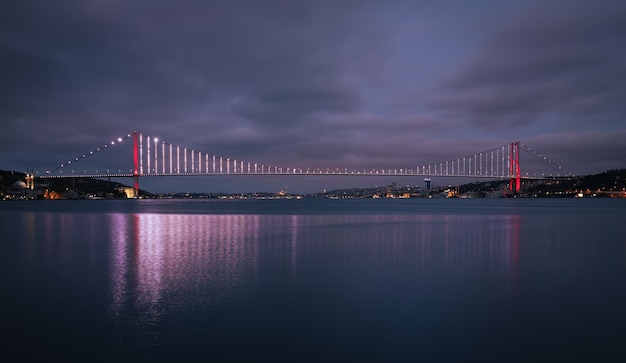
[355, 84]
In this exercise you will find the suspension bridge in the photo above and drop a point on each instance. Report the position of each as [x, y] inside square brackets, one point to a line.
[152, 157]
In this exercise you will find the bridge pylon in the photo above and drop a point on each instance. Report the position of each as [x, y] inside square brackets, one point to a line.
[515, 183]
[136, 163]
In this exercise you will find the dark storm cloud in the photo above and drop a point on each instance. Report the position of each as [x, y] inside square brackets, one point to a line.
[587, 152]
[291, 104]
[187, 69]
[567, 60]
[311, 83]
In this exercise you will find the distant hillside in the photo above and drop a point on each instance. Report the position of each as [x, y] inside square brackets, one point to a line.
[8, 178]
[608, 183]
[84, 186]
[605, 184]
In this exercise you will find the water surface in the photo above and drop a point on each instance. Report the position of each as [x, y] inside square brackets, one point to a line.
[315, 280]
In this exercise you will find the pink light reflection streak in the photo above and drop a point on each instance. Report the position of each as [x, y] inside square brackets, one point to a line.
[156, 254]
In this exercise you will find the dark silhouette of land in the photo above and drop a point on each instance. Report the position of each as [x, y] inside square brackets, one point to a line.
[611, 183]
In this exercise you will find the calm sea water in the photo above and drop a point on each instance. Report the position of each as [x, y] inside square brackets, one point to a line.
[501, 280]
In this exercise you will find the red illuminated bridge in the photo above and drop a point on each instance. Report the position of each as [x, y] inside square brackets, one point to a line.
[153, 157]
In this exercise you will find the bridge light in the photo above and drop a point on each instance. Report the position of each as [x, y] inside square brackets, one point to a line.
[156, 140]
[112, 142]
[119, 139]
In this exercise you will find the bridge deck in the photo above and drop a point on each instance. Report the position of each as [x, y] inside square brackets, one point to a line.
[377, 174]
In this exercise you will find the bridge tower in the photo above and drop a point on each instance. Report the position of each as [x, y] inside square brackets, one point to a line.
[136, 163]
[514, 169]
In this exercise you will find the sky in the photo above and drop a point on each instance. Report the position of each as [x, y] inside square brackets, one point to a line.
[320, 84]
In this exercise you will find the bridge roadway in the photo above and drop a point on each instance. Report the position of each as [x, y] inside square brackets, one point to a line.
[297, 173]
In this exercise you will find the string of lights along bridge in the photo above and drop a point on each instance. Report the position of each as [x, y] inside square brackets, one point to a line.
[152, 156]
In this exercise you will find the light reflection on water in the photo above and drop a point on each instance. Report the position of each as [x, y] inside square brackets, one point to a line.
[167, 262]
[176, 262]
[479, 280]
